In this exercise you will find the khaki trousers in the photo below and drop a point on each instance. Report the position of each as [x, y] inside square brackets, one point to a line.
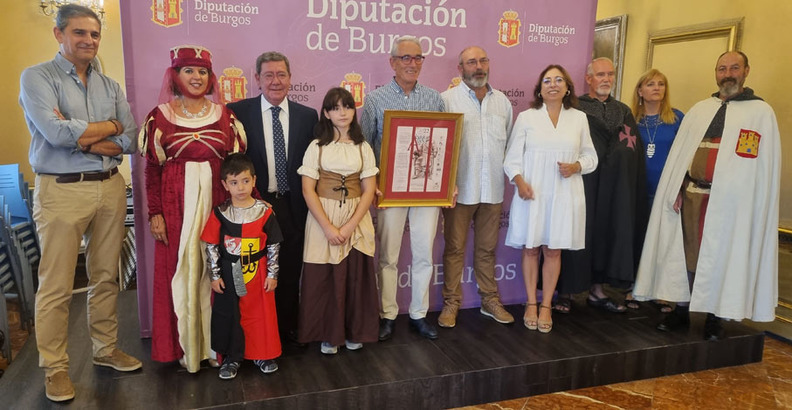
[64, 213]
[485, 218]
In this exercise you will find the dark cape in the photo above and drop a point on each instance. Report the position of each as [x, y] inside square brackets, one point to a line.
[617, 208]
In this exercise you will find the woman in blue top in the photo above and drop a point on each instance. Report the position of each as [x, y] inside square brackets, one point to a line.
[658, 124]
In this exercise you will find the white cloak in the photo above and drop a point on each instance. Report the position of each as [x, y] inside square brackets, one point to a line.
[737, 270]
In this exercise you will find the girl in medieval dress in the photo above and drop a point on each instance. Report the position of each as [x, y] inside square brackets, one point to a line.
[338, 300]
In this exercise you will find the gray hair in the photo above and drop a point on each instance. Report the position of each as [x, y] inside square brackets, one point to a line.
[395, 48]
[590, 67]
[70, 11]
[469, 48]
[270, 56]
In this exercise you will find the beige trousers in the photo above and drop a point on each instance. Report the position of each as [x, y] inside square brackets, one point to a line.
[64, 213]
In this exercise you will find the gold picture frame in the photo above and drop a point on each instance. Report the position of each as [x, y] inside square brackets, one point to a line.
[687, 56]
[731, 29]
[418, 159]
[609, 41]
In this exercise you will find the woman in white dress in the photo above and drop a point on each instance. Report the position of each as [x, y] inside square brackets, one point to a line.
[549, 149]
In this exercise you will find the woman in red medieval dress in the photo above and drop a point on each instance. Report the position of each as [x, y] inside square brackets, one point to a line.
[184, 142]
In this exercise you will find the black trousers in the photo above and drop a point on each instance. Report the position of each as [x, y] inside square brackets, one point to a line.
[287, 294]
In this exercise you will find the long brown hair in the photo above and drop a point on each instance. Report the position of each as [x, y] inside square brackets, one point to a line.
[570, 100]
[325, 130]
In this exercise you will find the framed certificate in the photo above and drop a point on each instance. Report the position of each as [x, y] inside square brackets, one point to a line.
[418, 161]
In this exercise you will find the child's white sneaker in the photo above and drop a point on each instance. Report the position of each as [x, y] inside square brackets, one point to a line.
[327, 348]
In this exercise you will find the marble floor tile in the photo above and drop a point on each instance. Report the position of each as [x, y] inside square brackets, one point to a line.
[765, 385]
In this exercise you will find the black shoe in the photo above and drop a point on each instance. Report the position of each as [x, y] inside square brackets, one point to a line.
[267, 366]
[713, 330]
[386, 329]
[228, 370]
[291, 337]
[423, 328]
[677, 319]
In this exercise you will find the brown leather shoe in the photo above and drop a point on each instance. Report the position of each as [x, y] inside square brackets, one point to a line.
[118, 360]
[495, 310]
[59, 386]
[448, 316]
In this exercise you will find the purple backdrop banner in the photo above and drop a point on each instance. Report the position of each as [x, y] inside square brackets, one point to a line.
[346, 42]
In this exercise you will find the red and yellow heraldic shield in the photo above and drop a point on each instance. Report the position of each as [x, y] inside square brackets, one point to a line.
[509, 29]
[748, 144]
[166, 13]
[353, 82]
[233, 85]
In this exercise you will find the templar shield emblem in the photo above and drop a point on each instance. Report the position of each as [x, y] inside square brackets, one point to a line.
[166, 13]
[509, 29]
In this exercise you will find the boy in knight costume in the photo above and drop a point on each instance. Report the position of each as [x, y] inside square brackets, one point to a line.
[242, 243]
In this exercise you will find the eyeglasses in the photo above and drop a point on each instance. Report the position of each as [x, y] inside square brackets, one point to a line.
[472, 62]
[406, 59]
[557, 80]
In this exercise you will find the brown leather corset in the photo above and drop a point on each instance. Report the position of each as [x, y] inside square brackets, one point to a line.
[333, 185]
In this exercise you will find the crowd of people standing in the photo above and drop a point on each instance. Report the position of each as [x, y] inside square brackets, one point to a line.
[278, 244]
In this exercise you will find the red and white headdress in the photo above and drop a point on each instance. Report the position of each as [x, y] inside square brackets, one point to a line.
[187, 55]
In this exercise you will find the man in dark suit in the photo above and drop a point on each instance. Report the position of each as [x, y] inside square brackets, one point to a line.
[278, 133]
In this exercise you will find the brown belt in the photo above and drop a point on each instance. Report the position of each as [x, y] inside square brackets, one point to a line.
[84, 176]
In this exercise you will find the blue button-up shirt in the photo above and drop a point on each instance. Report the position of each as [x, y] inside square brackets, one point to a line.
[392, 97]
[56, 85]
[486, 130]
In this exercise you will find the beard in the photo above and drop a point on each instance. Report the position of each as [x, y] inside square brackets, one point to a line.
[729, 87]
[603, 90]
[474, 82]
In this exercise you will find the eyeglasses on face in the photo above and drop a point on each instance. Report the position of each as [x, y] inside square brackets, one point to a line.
[406, 59]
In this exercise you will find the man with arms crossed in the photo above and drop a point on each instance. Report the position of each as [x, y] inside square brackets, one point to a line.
[81, 124]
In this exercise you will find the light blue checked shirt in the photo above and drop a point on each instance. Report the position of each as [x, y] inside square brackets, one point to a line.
[392, 97]
[53, 147]
[485, 133]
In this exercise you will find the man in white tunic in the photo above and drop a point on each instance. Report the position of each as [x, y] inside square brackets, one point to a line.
[488, 123]
[712, 242]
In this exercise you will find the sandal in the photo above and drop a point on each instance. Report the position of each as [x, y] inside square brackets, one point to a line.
[563, 305]
[545, 326]
[663, 306]
[630, 302]
[605, 303]
[531, 322]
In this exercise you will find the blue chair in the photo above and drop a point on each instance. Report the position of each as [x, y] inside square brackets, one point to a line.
[12, 188]
[7, 284]
[17, 194]
[22, 272]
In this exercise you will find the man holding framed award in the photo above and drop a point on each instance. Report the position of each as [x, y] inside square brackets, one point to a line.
[404, 93]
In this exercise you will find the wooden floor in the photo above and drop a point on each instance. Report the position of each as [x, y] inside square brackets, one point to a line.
[479, 361]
